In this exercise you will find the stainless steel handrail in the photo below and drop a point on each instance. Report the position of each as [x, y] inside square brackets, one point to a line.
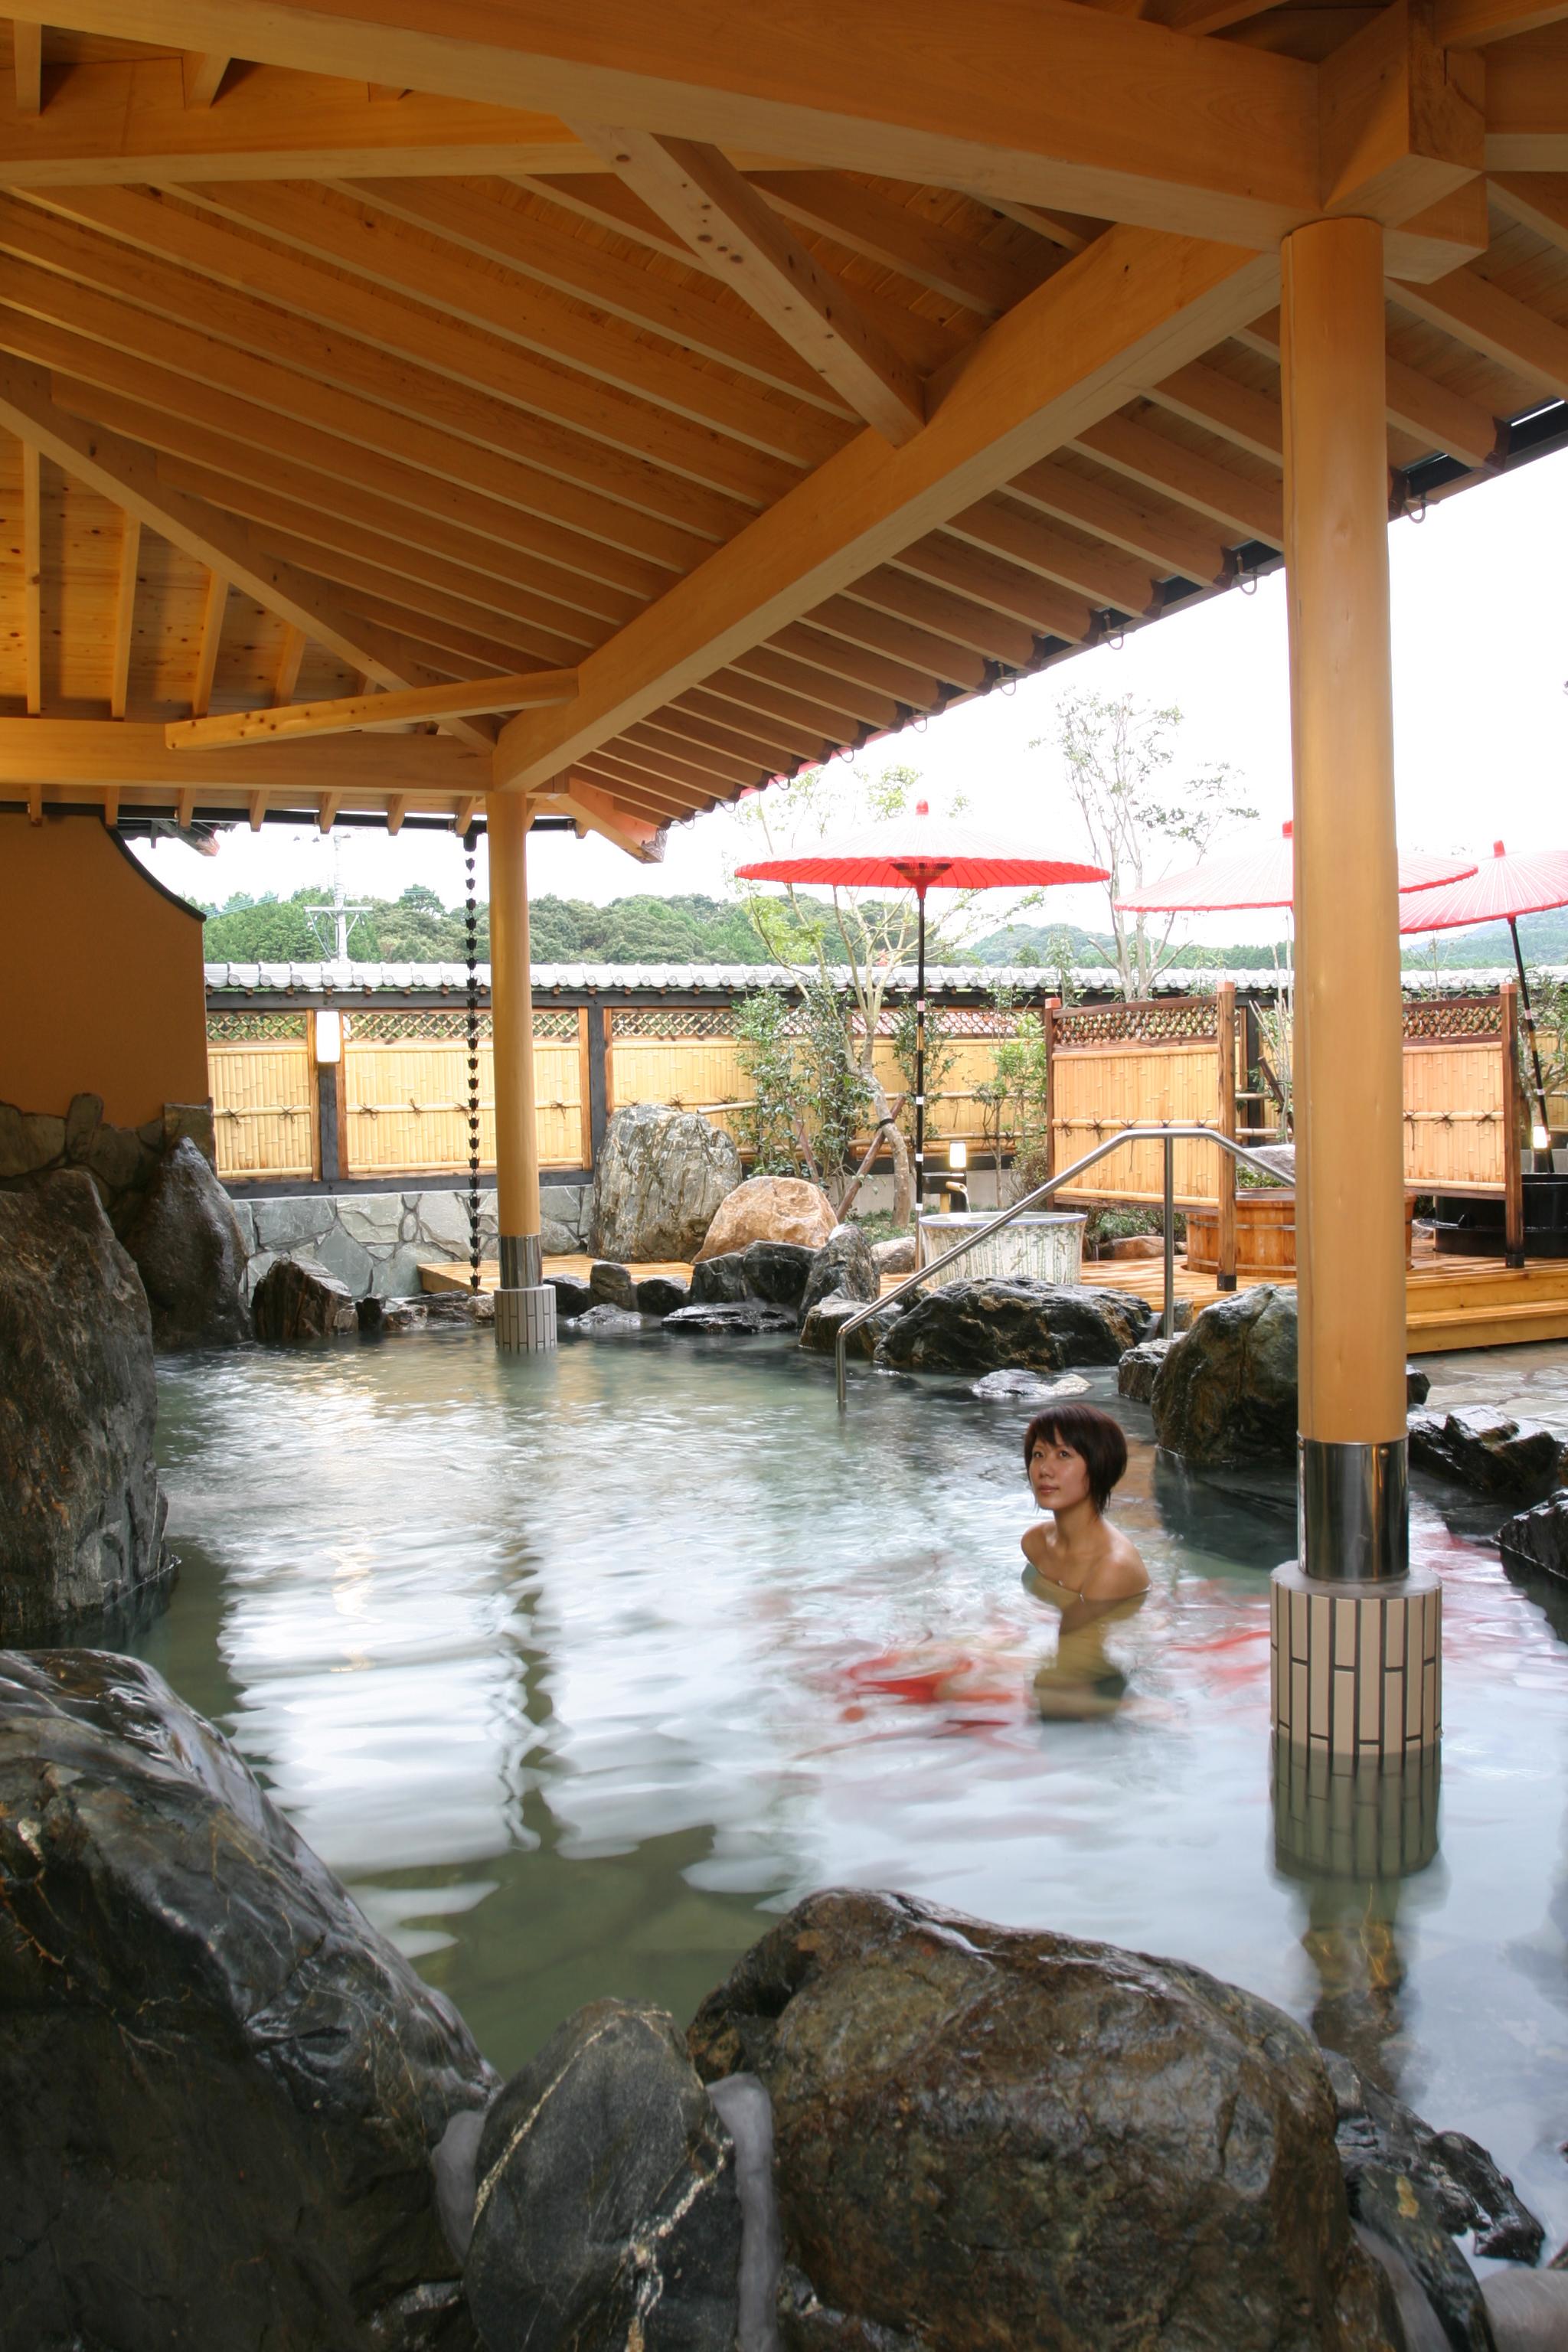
[1168, 1136]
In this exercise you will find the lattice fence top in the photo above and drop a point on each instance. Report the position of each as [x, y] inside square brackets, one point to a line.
[672, 1020]
[1454, 1018]
[1151, 1021]
[255, 1028]
[441, 1025]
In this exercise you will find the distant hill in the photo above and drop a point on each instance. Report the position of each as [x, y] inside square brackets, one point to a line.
[1543, 938]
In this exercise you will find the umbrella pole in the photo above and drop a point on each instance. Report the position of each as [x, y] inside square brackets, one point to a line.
[920, 1061]
[1529, 1023]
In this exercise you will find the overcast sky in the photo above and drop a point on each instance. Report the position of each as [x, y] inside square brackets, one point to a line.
[1480, 661]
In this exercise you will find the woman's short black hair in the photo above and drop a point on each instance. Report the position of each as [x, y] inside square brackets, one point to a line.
[1089, 1432]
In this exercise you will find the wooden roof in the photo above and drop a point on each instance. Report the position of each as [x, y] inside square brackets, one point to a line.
[653, 399]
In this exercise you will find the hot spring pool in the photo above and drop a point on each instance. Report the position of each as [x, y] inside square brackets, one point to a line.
[575, 1667]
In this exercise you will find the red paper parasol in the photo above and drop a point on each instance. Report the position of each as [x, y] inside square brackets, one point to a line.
[1499, 890]
[919, 853]
[1263, 873]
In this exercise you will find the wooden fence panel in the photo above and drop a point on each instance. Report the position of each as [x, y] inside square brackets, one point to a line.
[407, 1105]
[1456, 1122]
[264, 1106]
[1099, 1089]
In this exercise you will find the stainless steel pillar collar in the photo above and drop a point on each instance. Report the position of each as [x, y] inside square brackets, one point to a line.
[522, 1262]
[1353, 1511]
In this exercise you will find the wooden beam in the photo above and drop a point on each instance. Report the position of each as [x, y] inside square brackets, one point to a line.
[127, 476]
[111, 808]
[1481, 316]
[1537, 200]
[1245, 508]
[72, 756]
[1204, 15]
[288, 660]
[397, 808]
[213, 610]
[598, 812]
[1402, 120]
[27, 51]
[202, 74]
[124, 616]
[184, 810]
[709, 203]
[1100, 114]
[32, 579]
[895, 237]
[257, 811]
[533, 691]
[1527, 102]
[327, 810]
[1207, 397]
[1102, 575]
[1054, 367]
[1471, 24]
[466, 812]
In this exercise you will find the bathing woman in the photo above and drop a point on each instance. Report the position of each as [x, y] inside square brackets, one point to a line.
[1074, 1454]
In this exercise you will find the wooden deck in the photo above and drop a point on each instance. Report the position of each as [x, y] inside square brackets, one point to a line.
[1476, 1302]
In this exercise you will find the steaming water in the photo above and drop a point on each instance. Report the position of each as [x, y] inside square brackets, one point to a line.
[579, 1668]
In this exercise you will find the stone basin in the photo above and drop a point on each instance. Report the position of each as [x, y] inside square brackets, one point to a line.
[1046, 1245]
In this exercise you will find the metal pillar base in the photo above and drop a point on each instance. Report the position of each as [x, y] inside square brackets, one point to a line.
[525, 1320]
[522, 1262]
[1356, 1670]
[1353, 1514]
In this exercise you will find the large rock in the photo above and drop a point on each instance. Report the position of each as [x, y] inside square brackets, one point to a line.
[1140, 1369]
[843, 1267]
[819, 1332]
[295, 1305]
[81, 1524]
[1537, 1539]
[895, 1256]
[1488, 1450]
[606, 2212]
[191, 1255]
[662, 1175]
[221, 2087]
[720, 1281]
[985, 2137]
[614, 1284]
[743, 1318]
[770, 1209]
[572, 1297]
[995, 1322]
[777, 1272]
[1226, 1390]
[1468, 2191]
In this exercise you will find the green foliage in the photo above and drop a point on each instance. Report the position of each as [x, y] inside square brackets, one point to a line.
[1015, 1099]
[942, 1052]
[767, 1054]
[836, 1091]
[414, 928]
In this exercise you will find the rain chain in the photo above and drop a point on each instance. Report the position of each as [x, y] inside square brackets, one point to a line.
[471, 926]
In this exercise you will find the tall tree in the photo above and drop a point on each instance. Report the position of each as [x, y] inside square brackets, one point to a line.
[1119, 754]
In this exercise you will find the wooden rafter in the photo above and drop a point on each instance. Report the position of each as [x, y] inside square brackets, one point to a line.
[534, 691]
[32, 578]
[1244, 508]
[1130, 297]
[28, 54]
[290, 657]
[213, 607]
[1417, 405]
[1481, 316]
[124, 616]
[598, 812]
[127, 476]
[709, 203]
[202, 73]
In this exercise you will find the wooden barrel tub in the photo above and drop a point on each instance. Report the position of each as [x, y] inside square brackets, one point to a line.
[1265, 1235]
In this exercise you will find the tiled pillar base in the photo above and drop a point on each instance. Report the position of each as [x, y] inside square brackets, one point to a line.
[1356, 1669]
[525, 1320]
[1362, 1819]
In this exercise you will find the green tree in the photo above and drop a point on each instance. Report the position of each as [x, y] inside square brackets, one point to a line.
[1119, 754]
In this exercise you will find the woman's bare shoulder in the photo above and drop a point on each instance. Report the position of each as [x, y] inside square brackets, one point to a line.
[1122, 1574]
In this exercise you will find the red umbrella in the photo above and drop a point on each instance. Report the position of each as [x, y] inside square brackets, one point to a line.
[918, 852]
[1501, 889]
[1263, 873]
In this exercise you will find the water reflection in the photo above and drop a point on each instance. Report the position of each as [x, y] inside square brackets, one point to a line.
[577, 1668]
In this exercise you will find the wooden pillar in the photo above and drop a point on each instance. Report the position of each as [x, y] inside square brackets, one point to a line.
[1350, 1231]
[1225, 1051]
[524, 1307]
[1513, 1125]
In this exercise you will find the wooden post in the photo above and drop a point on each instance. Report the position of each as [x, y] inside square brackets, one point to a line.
[600, 1093]
[1226, 1052]
[1350, 1227]
[584, 1090]
[1513, 1124]
[1053, 1005]
[525, 1316]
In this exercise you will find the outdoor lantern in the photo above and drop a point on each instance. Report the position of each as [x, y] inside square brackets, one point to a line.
[329, 1037]
[958, 1153]
[1540, 1139]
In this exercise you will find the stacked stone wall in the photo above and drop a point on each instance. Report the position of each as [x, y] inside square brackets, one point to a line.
[376, 1242]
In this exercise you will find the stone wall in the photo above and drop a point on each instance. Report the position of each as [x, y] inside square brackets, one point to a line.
[375, 1241]
[121, 1161]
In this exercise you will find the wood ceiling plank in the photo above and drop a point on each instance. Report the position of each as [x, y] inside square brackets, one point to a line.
[709, 203]
[1102, 575]
[197, 375]
[1471, 24]
[132, 756]
[1527, 102]
[762, 669]
[882, 633]
[1206, 397]
[1417, 405]
[124, 616]
[194, 272]
[126, 475]
[920, 597]
[1244, 508]
[1044, 607]
[819, 649]
[201, 74]
[1046, 373]
[1481, 315]
[32, 578]
[1537, 201]
[209, 644]
[882, 230]
[1169, 538]
[828, 720]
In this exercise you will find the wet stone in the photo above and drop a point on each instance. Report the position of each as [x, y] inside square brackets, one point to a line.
[1226, 1392]
[1028, 1388]
[661, 1294]
[190, 1253]
[1139, 1368]
[777, 1272]
[603, 1321]
[606, 2211]
[1537, 1539]
[299, 1305]
[842, 1268]
[572, 1297]
[1488, 1450]
[995, 1324]
[720, 1281]
[819, 1332]
[747, 1319]
[615, 1283]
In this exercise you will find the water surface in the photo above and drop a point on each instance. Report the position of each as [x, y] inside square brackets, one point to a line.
[579, 1668]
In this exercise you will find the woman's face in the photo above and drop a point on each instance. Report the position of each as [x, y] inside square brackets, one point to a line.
[1058, 1476]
